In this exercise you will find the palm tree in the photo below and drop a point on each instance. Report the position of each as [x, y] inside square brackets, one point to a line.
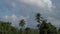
[22, 23]
[38, 15]
[38, 18]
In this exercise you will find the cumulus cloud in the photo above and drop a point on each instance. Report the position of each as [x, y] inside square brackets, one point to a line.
[22, 17]
[12, 17]
[40, 3]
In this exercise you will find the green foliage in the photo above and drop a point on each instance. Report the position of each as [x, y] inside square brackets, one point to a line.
[38, 15]
[27, 30]
[22, 22]
[44, 27]
[52, 28]
[6, 28]
[58, 32]
[47, 28]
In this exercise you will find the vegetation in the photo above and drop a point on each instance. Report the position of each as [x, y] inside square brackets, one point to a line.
[6, 28]
[22, 23]
[44, 27]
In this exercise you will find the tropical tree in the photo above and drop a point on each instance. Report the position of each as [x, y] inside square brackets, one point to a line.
[22, 23]
[38, 15]
[38, 18]
[44, 27]
[6, 28]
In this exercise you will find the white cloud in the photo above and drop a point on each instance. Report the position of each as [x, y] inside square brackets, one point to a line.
[6, 17]
[12, 17]
[22, 17]
[40, 3]
[53, 20]
[46, 4]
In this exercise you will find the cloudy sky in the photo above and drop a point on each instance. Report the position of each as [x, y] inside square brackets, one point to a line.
[15, 10]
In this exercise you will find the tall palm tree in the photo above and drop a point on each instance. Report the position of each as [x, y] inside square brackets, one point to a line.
[38, 15]
[22, 23]
[39, 20]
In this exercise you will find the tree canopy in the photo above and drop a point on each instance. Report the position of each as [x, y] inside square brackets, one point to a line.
[44, 27]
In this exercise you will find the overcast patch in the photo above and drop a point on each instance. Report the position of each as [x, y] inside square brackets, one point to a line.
[39, 3]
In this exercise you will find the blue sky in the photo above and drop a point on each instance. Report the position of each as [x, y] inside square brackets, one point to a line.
[15, 10]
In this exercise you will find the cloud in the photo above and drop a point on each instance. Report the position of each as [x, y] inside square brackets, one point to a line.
[40, 3]
[54, 19]
[12, 17]
[45, 4]
[25, 18]
[15, 19]
[6, 17]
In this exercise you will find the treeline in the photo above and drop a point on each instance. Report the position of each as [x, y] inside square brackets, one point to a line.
[44, 27]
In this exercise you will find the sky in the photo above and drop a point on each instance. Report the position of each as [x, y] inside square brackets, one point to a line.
[15, 10]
